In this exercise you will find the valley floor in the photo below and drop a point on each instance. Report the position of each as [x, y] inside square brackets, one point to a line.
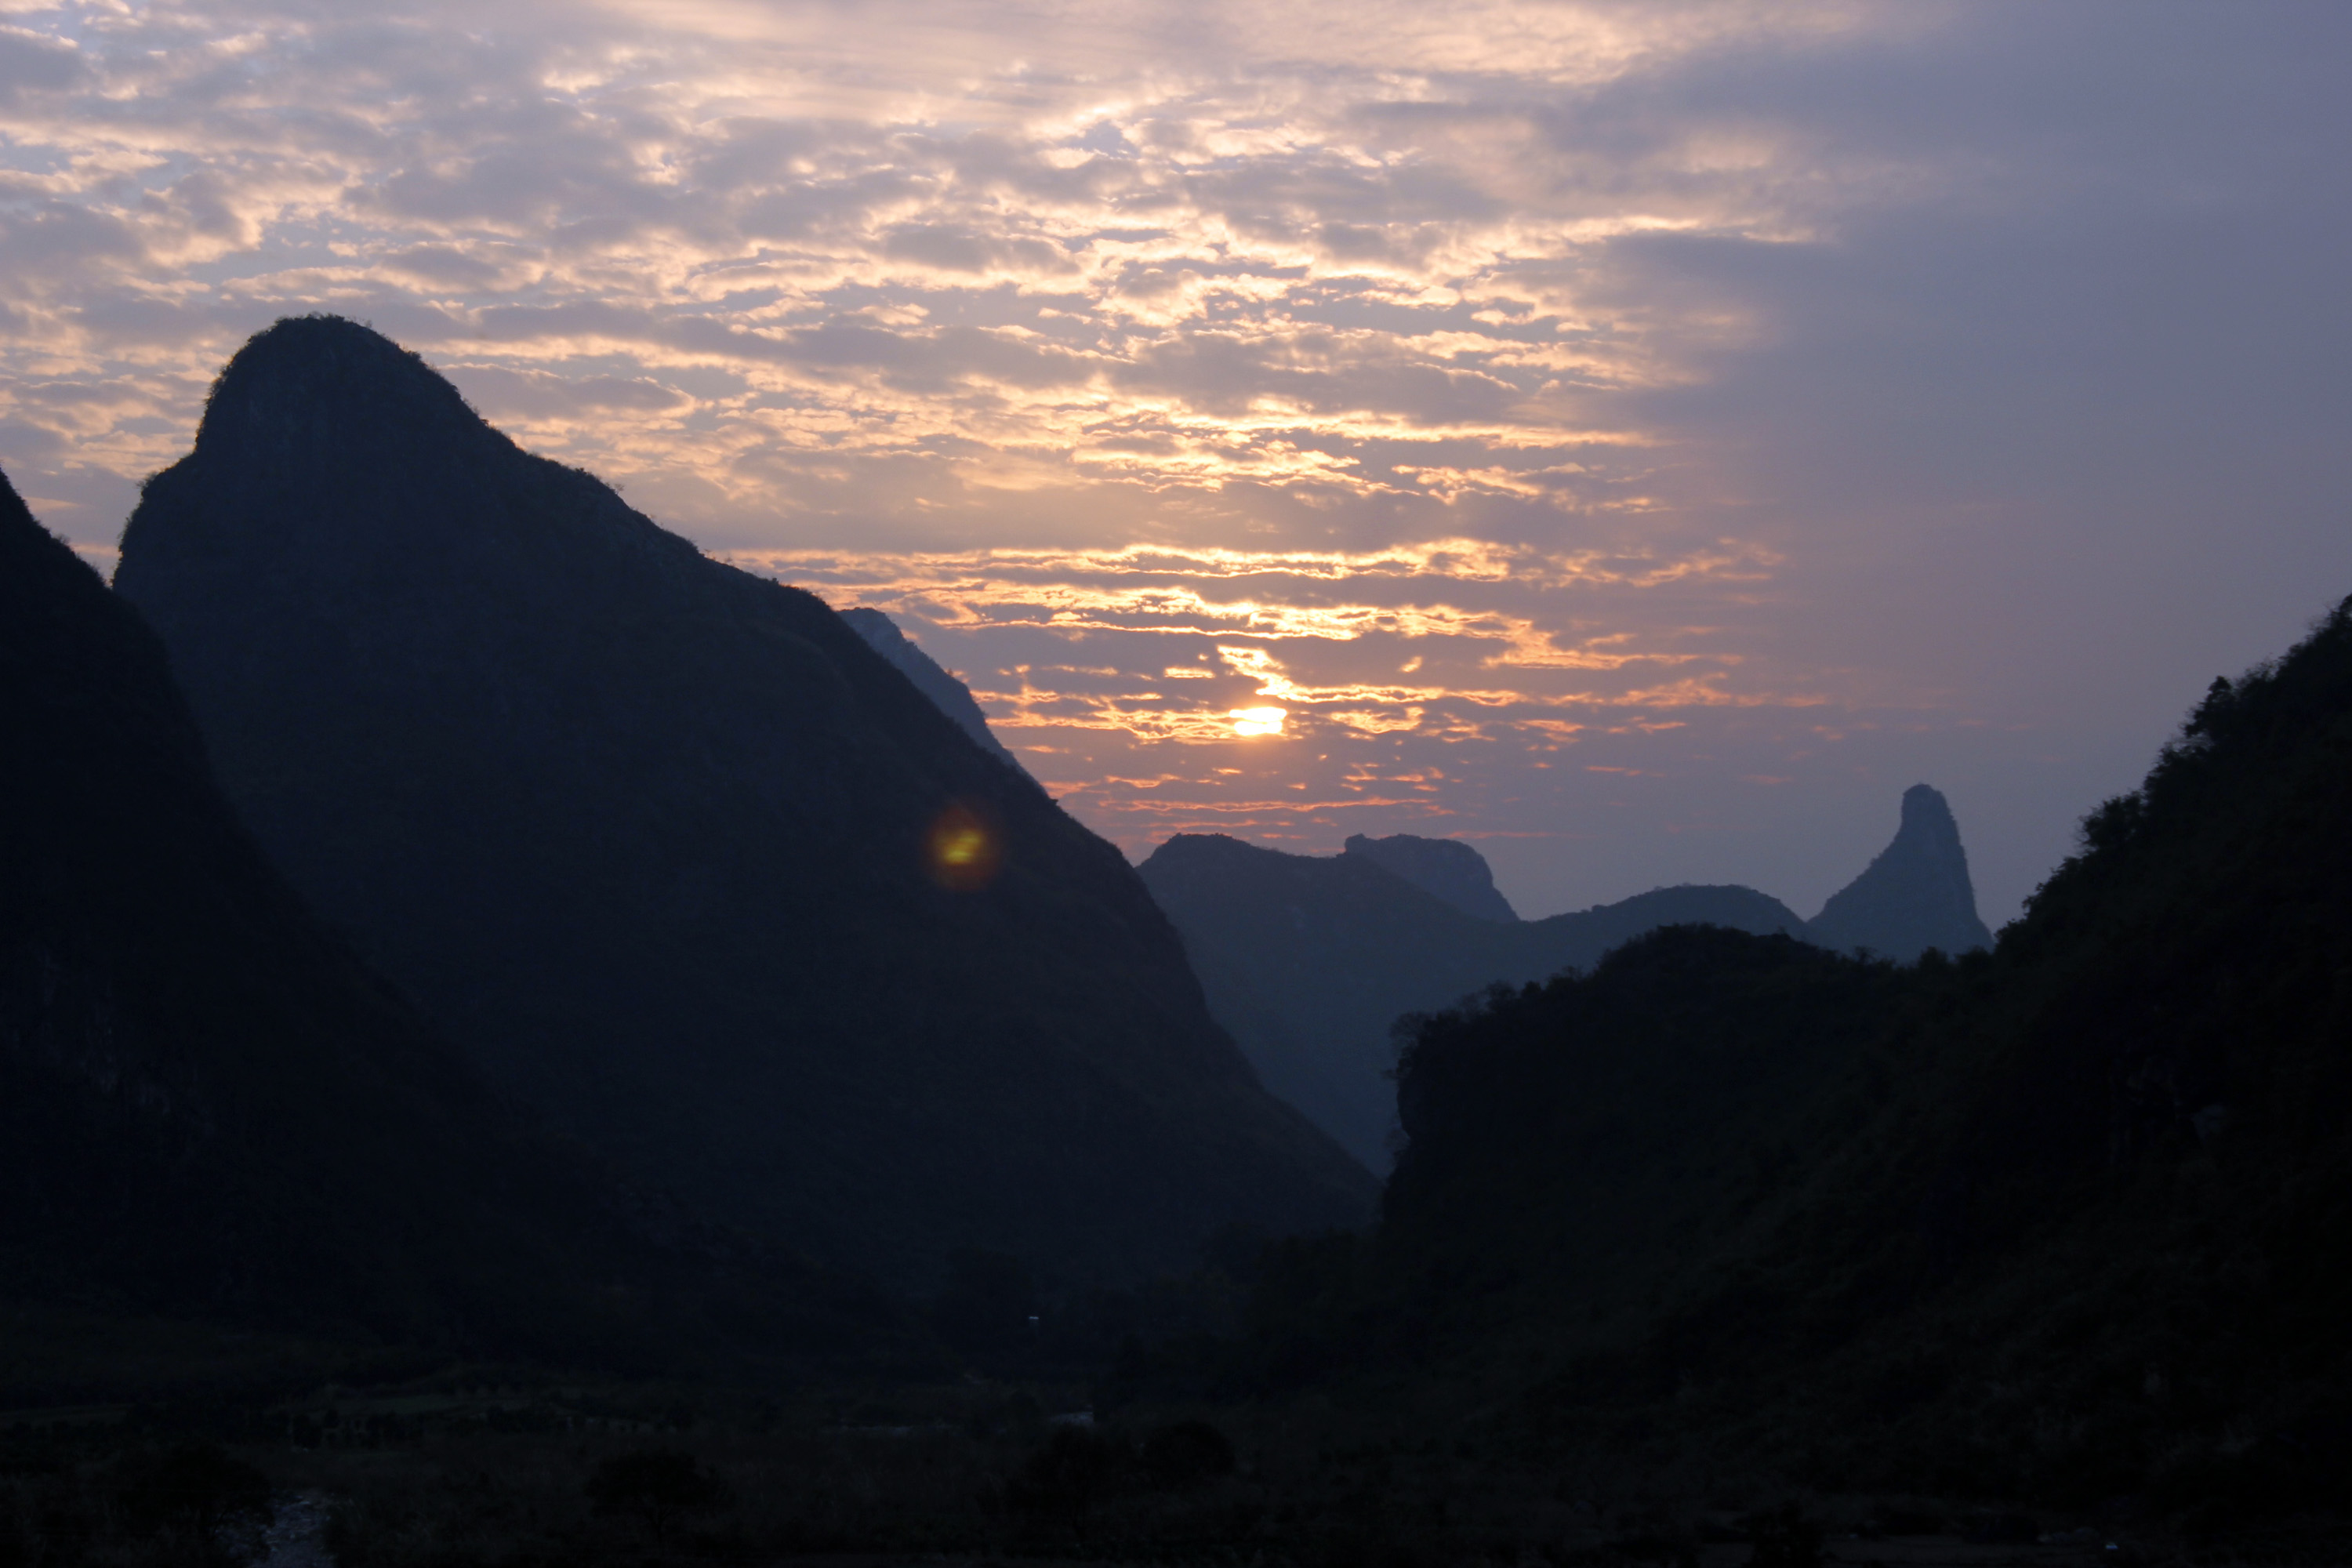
[970, 1474]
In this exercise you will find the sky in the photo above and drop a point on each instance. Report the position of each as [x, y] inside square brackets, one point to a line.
[1637, 439]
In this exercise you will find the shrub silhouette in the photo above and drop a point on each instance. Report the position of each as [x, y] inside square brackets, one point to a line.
[190, 1493]
[1076, 1468]
[1186, 1453]
[1785, 1538]
[657, 1485]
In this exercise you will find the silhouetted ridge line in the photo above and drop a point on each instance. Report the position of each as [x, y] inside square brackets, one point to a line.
[951, 696]
[661, 845]
[1445, 867]
[1311, 961]
[1308, 962]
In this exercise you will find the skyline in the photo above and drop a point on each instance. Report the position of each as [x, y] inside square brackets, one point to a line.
[1640, 440]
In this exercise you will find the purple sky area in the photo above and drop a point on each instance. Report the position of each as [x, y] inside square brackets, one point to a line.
[1638, 438]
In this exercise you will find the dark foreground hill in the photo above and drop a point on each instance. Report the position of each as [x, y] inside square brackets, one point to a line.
[676, 857]
[1311, 961]
[211, 1113]
[2065, 1221]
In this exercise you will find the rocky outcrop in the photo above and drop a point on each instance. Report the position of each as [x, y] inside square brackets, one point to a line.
[1445, 867]
[1915, 895]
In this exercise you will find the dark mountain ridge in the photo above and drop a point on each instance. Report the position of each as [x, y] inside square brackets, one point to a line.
[676, 857]
[211, 1111]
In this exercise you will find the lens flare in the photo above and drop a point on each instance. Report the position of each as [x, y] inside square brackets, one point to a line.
[964, 848]
[1257, 720]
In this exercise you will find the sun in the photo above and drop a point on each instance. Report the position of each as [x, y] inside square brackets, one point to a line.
[1257, 720]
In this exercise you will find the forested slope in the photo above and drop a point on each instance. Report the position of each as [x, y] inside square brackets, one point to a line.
[2068, 1219]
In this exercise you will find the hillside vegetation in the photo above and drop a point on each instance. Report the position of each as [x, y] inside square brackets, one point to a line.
[2066, 1220]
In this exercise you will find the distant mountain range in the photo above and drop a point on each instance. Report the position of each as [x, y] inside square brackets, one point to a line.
[1915, 895]
[1311, 962]
[677, 859]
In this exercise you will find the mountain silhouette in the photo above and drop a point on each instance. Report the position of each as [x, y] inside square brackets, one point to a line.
[1445, 867]
[211, 1111]
[676, 858]
[949, 695]
[1310, 961]
[1915, 895]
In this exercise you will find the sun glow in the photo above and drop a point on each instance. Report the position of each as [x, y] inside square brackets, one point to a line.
[1257, 720]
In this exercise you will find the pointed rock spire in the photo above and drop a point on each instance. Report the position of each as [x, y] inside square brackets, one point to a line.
[1915, 896]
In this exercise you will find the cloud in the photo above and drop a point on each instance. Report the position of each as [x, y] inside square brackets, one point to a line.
[1624, 362]
[1431, 643]
[500, 392]
[32, 64]
[28, 444]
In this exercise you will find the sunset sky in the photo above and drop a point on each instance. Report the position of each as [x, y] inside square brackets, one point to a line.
[1640, 440]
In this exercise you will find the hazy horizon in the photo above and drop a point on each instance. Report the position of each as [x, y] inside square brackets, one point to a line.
[1638, 439]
